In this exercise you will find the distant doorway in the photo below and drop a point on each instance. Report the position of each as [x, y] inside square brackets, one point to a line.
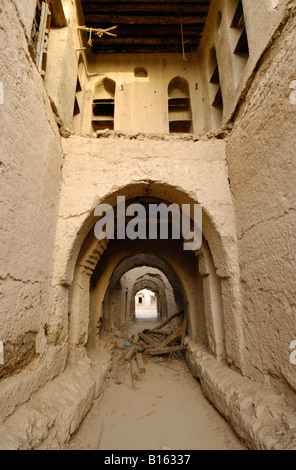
[146, 305]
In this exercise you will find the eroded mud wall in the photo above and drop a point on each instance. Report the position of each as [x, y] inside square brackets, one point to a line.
[262, 171]
[30, 167]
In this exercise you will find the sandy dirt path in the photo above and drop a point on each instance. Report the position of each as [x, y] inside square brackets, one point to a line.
[164, 409]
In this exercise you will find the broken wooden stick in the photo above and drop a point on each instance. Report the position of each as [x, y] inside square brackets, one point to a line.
[140, 362]
[132, 350]
[180, 331]
[147, 340]
[156, 332]
[134, 370]
[168, 350]
[168, 320]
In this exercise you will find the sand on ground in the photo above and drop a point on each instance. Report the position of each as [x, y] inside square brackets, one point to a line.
[163, 409]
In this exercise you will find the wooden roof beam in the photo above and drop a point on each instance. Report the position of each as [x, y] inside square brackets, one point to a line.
[119, 19]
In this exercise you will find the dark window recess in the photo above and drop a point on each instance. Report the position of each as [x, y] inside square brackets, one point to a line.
[103, 107]
[238, 19]
[58, 19]
[179, 107]
[76, 107]
[102, 125]
[238, 22]
[242, 47]
[180, 127]
[103, 112]
[140, 72]
[215, 78]
[78, 86]
[179, 104]
[218, 101]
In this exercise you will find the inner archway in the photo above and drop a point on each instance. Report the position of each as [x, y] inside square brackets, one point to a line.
[101, 265]
[146, 305]
[133, 274]
[200, 279]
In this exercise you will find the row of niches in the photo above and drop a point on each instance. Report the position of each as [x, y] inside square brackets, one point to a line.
[179, 106]
[240, 51]
[181, 109]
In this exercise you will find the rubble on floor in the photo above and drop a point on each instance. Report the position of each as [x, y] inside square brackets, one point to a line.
[150, 343]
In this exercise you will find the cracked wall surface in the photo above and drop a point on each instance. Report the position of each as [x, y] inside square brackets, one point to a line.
[31, 159]
[262, 170]
[245, 179]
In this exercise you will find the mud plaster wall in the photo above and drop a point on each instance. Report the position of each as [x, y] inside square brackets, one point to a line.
[62, 63]
[141, 104]
[30, 168]
[262, 171]
[261, 19]
[97, 168]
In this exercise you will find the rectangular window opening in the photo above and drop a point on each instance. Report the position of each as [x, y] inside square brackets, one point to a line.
[218, 101]
[238, 22]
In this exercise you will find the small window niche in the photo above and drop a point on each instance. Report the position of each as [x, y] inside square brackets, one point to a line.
[217, 102]
[58, 18]
[103, 106]
[180, 115]
[78, 103]
[76, 109]
[238, 23]
[140, 72]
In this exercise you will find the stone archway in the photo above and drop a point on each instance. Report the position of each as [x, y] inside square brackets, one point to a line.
[112, 309]
[215, 264]
[94, 253]
[164, 291]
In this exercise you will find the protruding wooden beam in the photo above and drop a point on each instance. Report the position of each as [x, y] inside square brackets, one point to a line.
[140, 20]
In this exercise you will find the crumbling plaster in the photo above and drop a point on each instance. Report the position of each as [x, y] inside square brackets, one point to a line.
[261, 158]
[125, 161]
[247, 262]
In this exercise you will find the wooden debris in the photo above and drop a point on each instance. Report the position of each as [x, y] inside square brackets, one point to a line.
[147, 339]
[132, 350]
[168, 320]
[140, 362]
[151, 342]
[134, 370]
[168, 350]
[180, 332]
[155, 342]
[156, 332]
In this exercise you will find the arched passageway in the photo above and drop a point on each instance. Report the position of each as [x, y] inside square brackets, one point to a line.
[101, 278]
[109, 274]
[204, 282]
[136, 272]
[146, 305]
